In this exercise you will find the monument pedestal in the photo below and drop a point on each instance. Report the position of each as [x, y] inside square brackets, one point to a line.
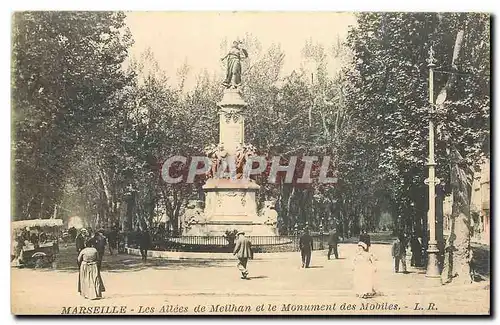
[230, 204]
[231, 200]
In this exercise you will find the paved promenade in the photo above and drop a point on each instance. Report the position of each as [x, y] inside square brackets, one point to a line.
[277, 280]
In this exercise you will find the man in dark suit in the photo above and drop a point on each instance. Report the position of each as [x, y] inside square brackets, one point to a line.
[80, 240]
[243, 251]
[99, 243]
[333, 241]
[112, 239]
[416, 252]
[306, 247]
[365, 238]
[144, 243]
[399, 254]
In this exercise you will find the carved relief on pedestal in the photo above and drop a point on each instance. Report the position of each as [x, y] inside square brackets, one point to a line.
[231, 129]
[231, 203]
[232, 116]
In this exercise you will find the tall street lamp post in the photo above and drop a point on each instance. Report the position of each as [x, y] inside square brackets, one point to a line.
[432, 181]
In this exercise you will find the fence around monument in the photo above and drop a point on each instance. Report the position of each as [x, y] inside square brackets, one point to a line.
[222, 244]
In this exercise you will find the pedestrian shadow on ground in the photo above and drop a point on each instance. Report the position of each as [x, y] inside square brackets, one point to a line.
[257, 277]
[409, 272]
[133, 265]
[315, 267]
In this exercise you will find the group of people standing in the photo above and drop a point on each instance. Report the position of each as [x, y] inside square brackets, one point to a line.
[35, 237]
[399, 250]
[91, 248]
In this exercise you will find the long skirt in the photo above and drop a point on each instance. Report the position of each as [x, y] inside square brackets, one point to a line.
[90, 283]
[364, 274]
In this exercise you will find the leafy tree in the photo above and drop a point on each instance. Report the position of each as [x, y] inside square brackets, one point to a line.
[390, 98]
[66, 67]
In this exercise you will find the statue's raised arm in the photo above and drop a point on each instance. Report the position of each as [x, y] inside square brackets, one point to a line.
[233, 72]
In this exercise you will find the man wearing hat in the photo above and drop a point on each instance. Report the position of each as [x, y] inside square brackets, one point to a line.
[80, 239]
[144, 243]
[333, 241]
[399, 254]
[306, 247]
[99, 243]
[243, 251]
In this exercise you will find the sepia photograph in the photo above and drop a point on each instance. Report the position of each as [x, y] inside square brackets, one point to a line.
[238, 163]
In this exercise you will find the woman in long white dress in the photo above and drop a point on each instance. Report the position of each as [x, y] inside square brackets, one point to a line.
[90, 283]
[364, 272]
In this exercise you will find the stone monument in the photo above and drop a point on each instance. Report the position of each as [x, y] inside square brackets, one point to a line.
[230, 199]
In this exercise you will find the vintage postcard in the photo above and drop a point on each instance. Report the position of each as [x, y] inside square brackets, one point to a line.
[250, 163]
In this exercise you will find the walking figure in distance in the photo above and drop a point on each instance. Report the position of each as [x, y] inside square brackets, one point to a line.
[399, 254]
[333, 241]
[416, 251]
[306, 247]
[243, 251]
[112, 239]
[144, 243]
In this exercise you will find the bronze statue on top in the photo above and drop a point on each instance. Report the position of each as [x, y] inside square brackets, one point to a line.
[233, 72]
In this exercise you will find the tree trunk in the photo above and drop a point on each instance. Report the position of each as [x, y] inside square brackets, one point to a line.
[108, 197]
[130, 211]
[457, 248]
[458, 253]
[175, 213]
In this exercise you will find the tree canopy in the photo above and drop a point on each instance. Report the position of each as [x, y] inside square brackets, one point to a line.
[90, 133]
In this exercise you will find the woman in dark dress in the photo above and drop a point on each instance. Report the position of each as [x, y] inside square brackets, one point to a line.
[90, 285]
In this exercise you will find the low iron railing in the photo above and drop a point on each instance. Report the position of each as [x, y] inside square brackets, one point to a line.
[222, 244]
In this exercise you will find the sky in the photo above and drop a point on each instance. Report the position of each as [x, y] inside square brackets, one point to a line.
[195, 37]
